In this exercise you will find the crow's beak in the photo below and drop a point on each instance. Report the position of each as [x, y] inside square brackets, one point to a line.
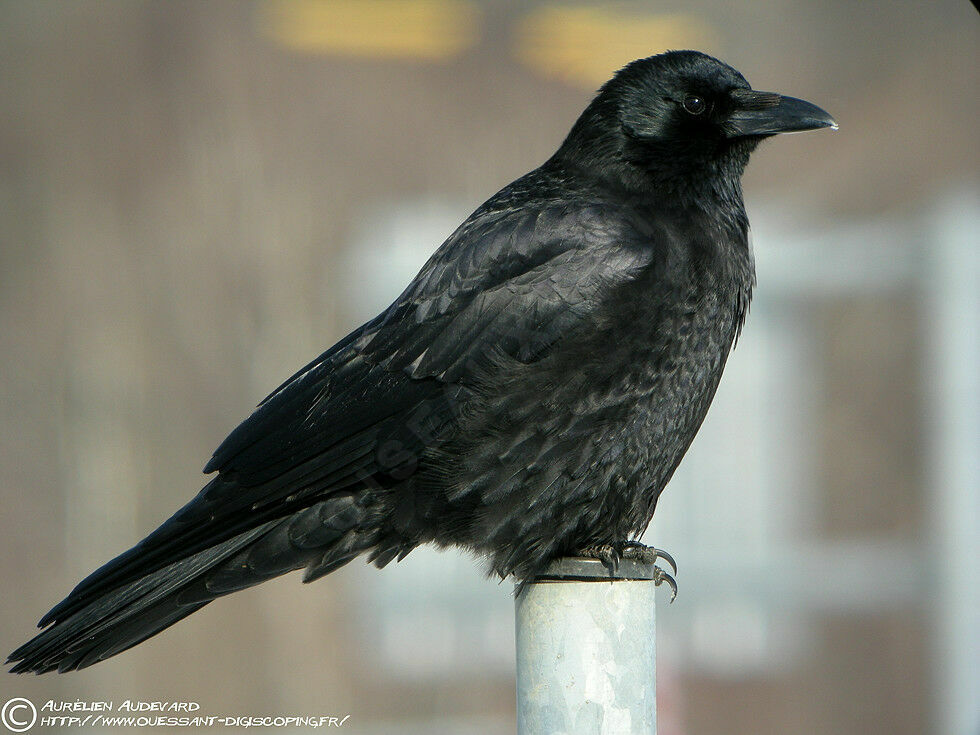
[767, 113]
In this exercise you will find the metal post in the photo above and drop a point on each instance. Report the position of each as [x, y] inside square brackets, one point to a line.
[586, 650]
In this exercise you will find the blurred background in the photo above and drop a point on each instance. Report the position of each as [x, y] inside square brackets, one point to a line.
[197, 198]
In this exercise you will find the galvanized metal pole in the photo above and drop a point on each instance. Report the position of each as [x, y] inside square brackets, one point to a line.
[586, 650]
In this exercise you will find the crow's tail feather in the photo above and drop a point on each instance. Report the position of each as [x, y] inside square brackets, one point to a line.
[321, 538]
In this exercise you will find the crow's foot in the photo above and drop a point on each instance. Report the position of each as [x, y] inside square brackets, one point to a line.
[610, 554]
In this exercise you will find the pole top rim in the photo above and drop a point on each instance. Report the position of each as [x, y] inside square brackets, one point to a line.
[580, 569]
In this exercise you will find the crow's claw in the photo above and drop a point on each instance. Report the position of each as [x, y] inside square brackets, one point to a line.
[610, 554]
[660, 576]
[646, 554]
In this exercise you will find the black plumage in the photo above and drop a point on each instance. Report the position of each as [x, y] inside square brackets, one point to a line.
[528, 396]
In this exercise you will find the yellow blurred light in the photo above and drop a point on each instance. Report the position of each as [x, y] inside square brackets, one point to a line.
[428, 30]
[584, 44]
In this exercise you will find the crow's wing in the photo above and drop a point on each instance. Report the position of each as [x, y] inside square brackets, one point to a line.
[509, 281]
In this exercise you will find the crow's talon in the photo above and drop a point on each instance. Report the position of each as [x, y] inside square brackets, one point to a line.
[610, 554]
[650, 555]
[660, 576]
[646, 554]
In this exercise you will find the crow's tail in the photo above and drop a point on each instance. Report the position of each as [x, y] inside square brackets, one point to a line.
[99, 622]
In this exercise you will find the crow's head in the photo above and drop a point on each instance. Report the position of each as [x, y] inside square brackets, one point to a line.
[683, 113]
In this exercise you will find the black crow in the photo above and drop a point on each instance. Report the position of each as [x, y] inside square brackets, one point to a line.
[528, 396]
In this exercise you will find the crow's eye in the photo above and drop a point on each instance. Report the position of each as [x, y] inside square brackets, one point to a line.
[695, 104]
